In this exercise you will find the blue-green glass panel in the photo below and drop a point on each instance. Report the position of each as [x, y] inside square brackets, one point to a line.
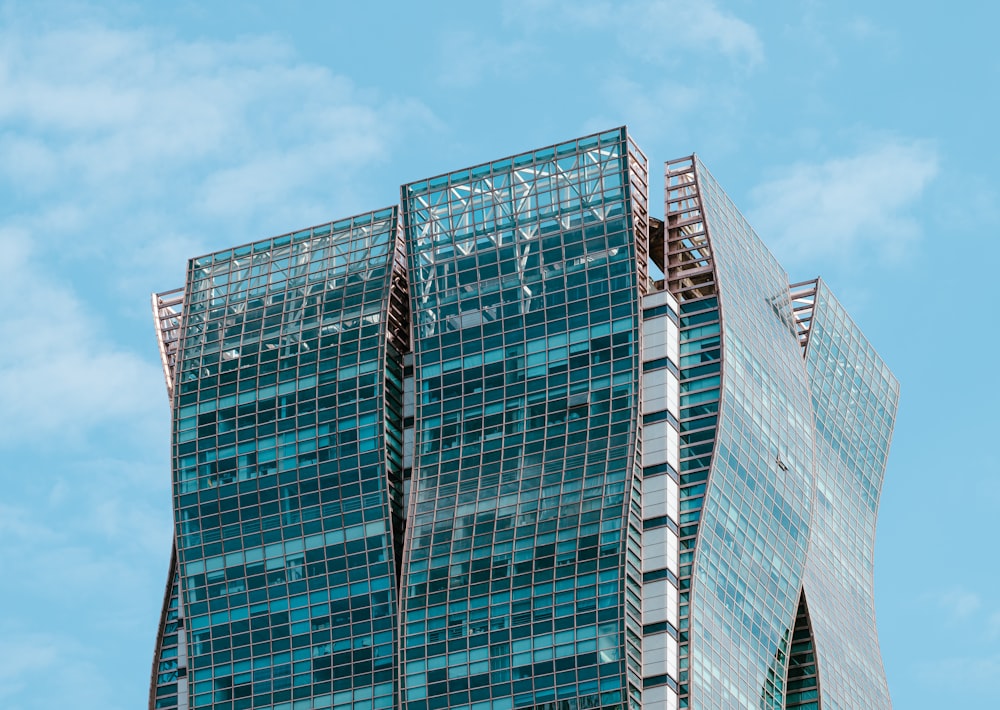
[524, 291]
[284, 481]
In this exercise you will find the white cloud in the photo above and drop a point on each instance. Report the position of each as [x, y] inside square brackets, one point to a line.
[81, 576]
[993, 625]
[83, 536]
[864, 29]
[111, 102]
[649, 111]
[43, 670]
[59, 375]
[467, 58]
[848, 207]
[651, 29]
[123, 153]
[959, 603]
[22, 656]
[701, 25]
[140, 119]
[964, 674]
[18, 526]
[699, 54]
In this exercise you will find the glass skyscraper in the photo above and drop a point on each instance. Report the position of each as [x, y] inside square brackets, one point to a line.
[518, 444]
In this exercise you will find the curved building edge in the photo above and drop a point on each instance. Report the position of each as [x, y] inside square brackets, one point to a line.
[855, 398]
[705, 553]
[168, 675]
[533, 460]
[751, 549]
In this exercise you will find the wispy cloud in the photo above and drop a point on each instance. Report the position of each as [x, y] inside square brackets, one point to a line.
[22, 656]
[993, 625]
[467, 58]
[958, 603]
[83, 537]
[964, 647]
[961, 605]
[58, 374]
[667, 68]
[965, 674]
[702, 26]
[683, 26]
[73, 582]
[233, 130]
[123, 152]
[866, 30]
[650, 112]
[49, 670]
[848, 207]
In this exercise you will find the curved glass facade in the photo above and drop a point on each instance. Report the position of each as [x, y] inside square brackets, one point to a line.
[287, 464]
[781, 464]
[754, 530]
[623, 465]
[854, 396]
[525, 290]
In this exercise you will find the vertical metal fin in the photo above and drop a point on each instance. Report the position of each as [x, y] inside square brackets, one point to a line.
[168, 307]
[803, 296]
[690, 267]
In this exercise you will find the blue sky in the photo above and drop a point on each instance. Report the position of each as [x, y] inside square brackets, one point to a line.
[860, 139]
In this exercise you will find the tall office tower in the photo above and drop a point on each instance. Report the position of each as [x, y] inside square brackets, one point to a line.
[786, 414]
[854, 402]
[522, 577]
[638, 468]
[284, 364]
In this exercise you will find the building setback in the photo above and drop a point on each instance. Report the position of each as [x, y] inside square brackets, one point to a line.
[517, 444]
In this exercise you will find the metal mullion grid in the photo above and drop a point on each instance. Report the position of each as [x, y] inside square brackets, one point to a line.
[294, 287]
[837, 579]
